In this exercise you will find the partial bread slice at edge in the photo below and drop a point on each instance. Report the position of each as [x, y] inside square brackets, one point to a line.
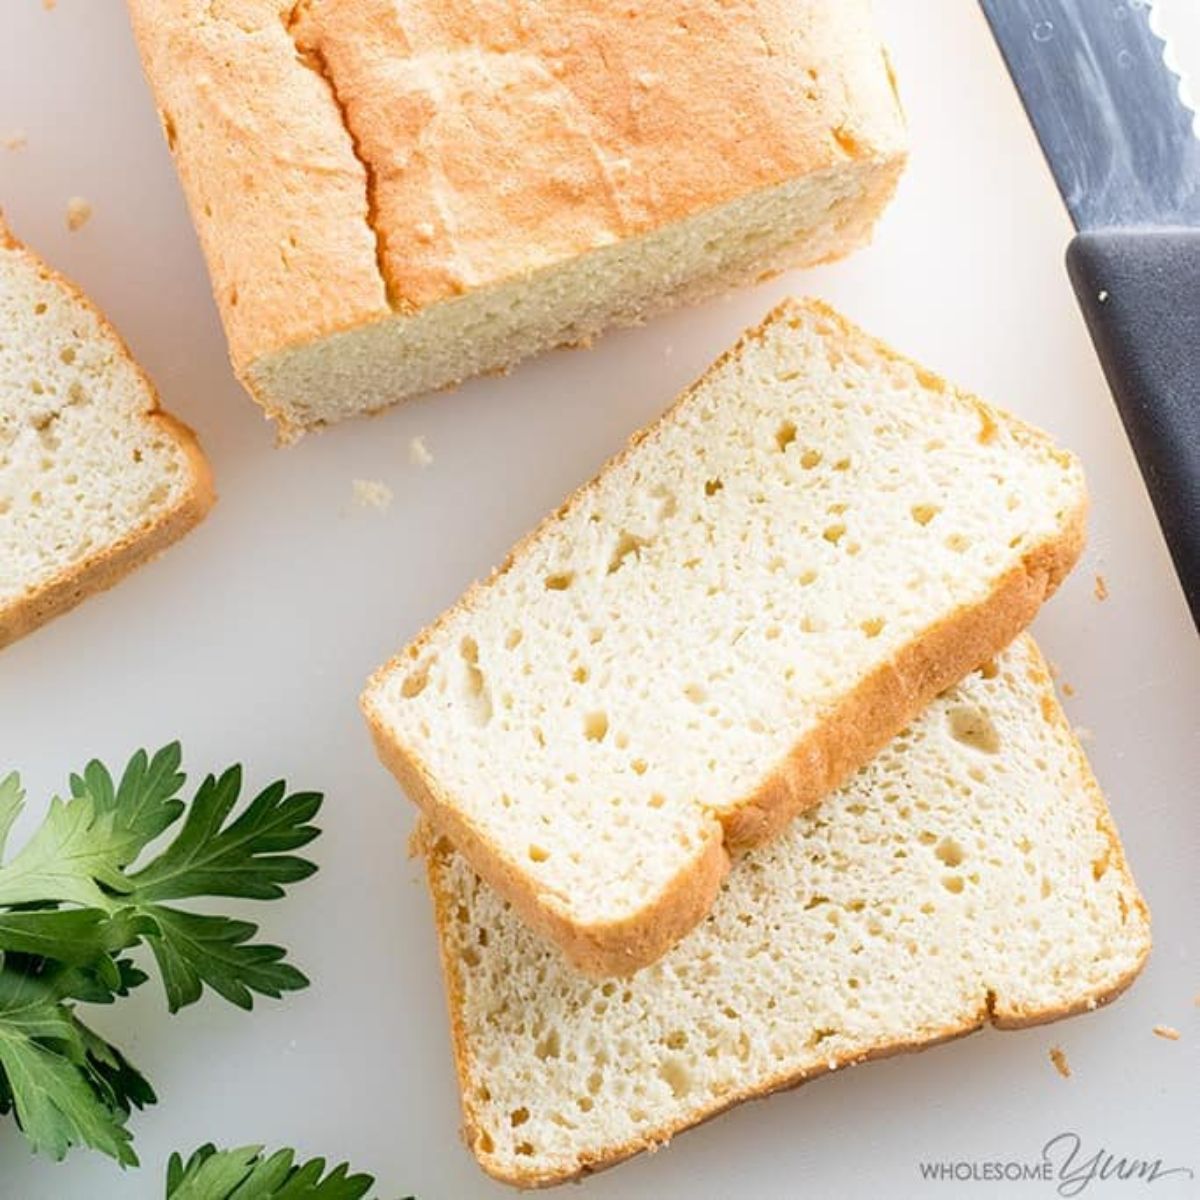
[811, 760]
[35, 597]
[896, 916]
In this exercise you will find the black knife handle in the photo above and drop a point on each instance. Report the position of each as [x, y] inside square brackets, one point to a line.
[1140, 294]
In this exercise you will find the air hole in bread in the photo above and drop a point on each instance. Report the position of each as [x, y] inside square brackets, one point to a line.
[834, 533]
[810, 459]
[559, 581]
[627, 544]
[958, 542]
[538, 854]
[513, 640]
[595, 726]
[924, 513]
[973, 727]
[713, 486]
[549, 1047]
[676, 1076]
[953, 883]
[873, 627]
[785, 435]
[950, 852]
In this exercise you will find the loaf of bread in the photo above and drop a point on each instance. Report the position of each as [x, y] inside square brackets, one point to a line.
[970, 874]
[720, 628]
[94, 478]
[393, 197]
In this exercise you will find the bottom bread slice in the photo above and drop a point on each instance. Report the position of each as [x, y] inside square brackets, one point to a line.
[970, 874]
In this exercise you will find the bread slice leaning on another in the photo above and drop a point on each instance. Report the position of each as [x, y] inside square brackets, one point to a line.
[969, 875]
[714, 633]
[94, 478]
[395, 197]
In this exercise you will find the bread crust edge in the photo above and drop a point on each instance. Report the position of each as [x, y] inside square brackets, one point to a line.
[109, 565]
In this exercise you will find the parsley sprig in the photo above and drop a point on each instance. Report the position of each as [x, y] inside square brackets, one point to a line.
[245, 1174]
[84, 891]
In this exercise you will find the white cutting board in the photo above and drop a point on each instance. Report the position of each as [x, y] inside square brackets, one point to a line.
[251, 639]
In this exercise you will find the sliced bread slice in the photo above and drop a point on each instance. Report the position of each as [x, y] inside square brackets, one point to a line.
[970, 874]
[720, 628]
[94, 478]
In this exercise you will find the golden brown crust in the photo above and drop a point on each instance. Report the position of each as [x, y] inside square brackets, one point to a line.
[993, 1010]
[611, 127]
[865, 720]
[269, 170]
[340, 158]
[109, 565]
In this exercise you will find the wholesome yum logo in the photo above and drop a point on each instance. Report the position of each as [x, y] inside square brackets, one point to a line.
[1063, 1162]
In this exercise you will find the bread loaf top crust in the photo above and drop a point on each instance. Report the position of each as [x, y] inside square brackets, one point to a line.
[347, 160]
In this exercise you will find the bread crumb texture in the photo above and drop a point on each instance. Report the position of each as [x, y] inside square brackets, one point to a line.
[1058, 1057]
[92, 478]
[419, 453]
[949, 884]
[634, 683]
[79, 213]
[372, 493]
[1168, 1032]
[17, 140]
[1101, 588]
[393, 197]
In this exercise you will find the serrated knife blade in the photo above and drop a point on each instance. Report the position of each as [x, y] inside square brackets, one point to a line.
[1106, 108]
[1123, 150]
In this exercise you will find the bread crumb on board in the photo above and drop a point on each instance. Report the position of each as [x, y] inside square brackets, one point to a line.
[1068, 689]
[16, 140]
[1058, 1057]
[48, 5]
[79, 213]
[419, 453]
[1101, 588]
[372, 493]
[1167, 1031]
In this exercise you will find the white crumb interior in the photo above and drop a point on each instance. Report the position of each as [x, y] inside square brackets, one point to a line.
[656, 651]
[80, 469]
[968, 865]
[808, 220]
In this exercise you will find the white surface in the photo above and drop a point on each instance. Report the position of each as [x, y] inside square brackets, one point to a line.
[250, 641]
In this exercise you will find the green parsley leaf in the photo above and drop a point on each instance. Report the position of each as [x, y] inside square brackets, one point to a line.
[192, 950]
[146, 801]
[75, 849]
[12, 800]
[76, 936]
[66, 1085]
[73, 901]
[244, 1174]
[245, 859]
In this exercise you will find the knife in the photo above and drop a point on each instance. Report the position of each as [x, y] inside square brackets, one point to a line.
[1123, 150]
